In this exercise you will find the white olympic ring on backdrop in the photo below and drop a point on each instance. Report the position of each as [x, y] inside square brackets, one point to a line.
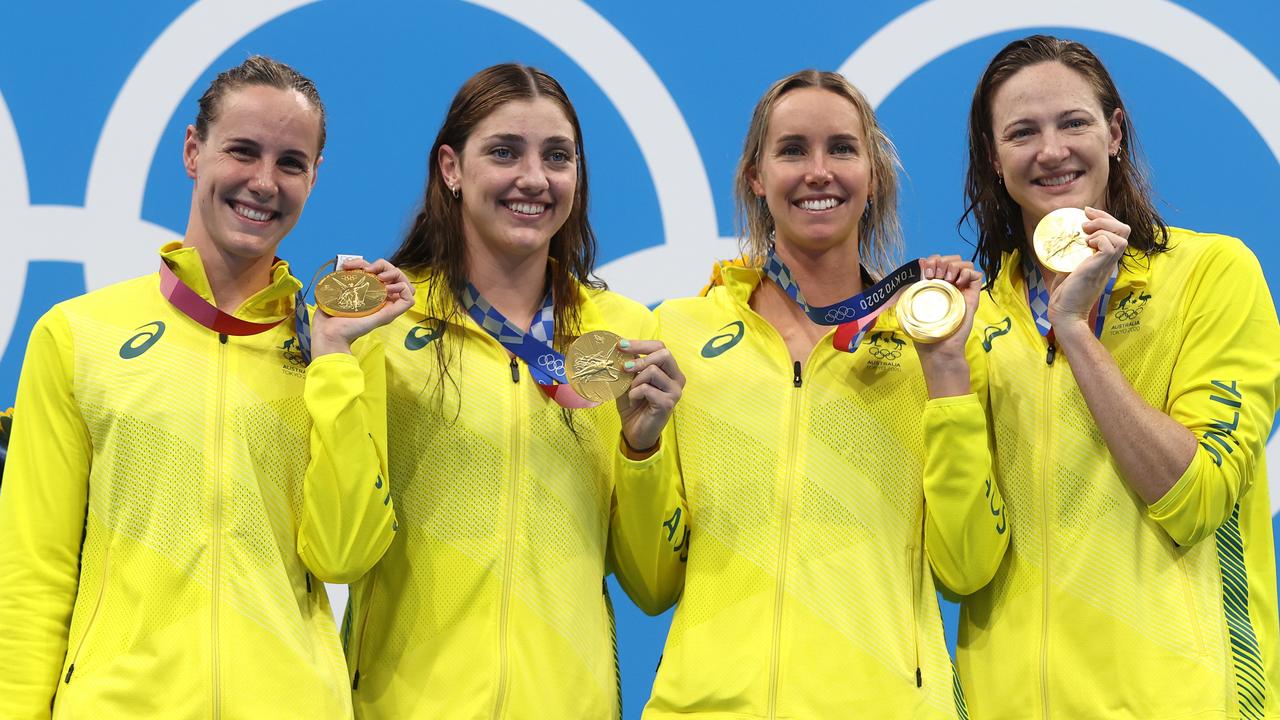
[926, 32]
[118, 175]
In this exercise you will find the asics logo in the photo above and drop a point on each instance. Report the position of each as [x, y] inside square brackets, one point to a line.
[991, 332]
[420, 336]
[142, 342]
[720, 344]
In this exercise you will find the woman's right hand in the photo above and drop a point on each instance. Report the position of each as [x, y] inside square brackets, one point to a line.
[946, 370]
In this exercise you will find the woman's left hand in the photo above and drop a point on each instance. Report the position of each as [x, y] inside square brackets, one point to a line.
[655, 389]
[1072, 295]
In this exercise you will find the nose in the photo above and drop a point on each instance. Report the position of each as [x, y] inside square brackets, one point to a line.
[533, 179]
[818, 174]
[263, 181]
[1053, 150]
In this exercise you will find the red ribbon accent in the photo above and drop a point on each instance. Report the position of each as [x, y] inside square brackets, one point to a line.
[181, 296]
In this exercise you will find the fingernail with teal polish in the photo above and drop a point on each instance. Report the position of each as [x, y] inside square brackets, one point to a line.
[624, 343]
[629, 365]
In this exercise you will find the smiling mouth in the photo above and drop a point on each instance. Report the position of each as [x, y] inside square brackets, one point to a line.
[250, 213]
[1058, 180]
[818, 205]
[527, 209]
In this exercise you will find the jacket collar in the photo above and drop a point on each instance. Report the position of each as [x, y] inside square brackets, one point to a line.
[270, 303]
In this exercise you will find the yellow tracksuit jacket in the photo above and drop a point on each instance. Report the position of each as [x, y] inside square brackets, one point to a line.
[817, 507]
[162, 536]
[1105, 607]
[490, 602]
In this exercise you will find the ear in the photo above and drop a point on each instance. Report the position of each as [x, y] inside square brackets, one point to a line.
[1116, 127]
[450, 166]
[191, 151]
[753, 179]
[315, 172]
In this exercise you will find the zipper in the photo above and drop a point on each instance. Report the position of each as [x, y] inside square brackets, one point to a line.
[509, 553]
[917, 575]
[784, 537]
[364, 631]
[219, 419]
[1051, 353]
[93, 616]
[613, 637]
[515, 371]
[1045, 479]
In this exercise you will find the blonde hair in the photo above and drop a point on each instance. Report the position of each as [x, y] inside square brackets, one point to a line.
[879, 234]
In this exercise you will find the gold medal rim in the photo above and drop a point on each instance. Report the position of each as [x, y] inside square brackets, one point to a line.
[939, 329]
[1039, 241]
[587, 389]
[350, 313]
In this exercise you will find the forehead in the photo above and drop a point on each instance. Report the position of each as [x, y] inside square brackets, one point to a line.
[268, 115]
[814, 111]
[531, 119]
[1048, 87]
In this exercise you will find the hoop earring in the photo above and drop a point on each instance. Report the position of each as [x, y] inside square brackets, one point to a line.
[457, 192]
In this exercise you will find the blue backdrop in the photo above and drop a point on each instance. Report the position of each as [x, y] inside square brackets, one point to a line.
[94, 99]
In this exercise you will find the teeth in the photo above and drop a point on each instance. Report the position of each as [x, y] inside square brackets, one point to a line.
[1059, 180]
[823, 204]
[527, 208]
[248, 212]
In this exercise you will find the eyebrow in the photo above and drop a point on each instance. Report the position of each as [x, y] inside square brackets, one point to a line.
[294, 152]
[845, 137]
[1061, 115]
[519, 139]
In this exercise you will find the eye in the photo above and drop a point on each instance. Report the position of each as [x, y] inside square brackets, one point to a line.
[241, 152]
[1021, 133]
[559, 157]
[1076, 123]
[502, 153]
[844, 148]
[293, 165]
[791, 150]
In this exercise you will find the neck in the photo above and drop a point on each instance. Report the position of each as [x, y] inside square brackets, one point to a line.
[515, 286]
[232, 279]
[825, 276]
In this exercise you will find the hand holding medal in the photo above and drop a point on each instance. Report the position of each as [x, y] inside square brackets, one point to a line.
[641, 374]
[355, 298]
[1083, 247]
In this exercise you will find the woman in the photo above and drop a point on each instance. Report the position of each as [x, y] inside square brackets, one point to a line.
[160, 524]
[812, 544]
[1133, 398]
[491, 600]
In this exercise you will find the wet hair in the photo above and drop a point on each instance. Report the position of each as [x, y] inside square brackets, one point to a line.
[435, 244]
[995, 214]
[256, 70]
[879, 234]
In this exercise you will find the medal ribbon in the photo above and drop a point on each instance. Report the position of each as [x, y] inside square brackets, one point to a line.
[189, 302]
[1038, 300]
[545, 363]
[854, 316]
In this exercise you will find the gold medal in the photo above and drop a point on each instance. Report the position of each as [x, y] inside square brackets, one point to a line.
[1059, 240]
[930, 310]
[593, 365]
[350, 293]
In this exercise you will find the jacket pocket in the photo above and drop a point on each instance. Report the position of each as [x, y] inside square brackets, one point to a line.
[93, 616]
[360, 620]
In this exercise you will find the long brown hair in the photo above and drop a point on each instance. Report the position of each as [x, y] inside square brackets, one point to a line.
[997, 217]
[879, 234]
[435, 245]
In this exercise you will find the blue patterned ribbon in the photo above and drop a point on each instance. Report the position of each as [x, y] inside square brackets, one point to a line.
[1038, 300]
[855, 315]
[546, 364]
